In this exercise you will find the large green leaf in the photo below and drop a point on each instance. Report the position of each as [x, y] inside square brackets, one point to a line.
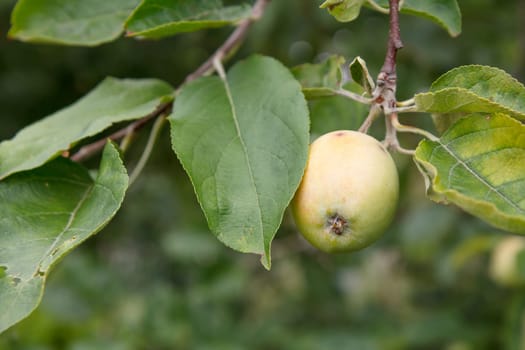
[321, 79]
[446, 13]
[243, 141]
[160, 18]
[46, 212]
[110, 102]
[70, 22]
[479, 165]
[472, 89]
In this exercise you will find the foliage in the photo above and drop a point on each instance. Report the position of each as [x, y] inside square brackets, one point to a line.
[460, 168]
[181, 278]
[48, 212]
[243, 182]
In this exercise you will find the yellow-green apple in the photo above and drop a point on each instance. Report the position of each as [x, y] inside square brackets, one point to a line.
[348, 194]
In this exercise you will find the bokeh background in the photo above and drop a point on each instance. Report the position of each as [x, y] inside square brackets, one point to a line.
[156, 278]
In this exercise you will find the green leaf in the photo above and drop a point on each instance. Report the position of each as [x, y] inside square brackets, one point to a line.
[160, 18]
[445, 13]
[110, 102]
[243, 141]
[472, 89]
[46, 212]
[70, 22]
[479, 165]
[320, 80]
[343, 10]
[361, 75]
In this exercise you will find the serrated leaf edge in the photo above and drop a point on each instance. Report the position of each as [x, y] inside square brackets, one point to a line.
[110, 147]
[22, 35]
[501, 108]
[216, 24]
[480, 66]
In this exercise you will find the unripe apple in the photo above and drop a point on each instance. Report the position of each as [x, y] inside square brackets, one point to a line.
[504, 264]
[348, 194]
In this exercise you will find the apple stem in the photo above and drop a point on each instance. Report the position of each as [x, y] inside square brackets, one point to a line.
[372, 115]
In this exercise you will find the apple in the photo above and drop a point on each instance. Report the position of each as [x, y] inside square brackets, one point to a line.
[504, 265]
[348, 194]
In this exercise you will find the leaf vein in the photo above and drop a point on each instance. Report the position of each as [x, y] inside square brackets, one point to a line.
[67, 226]
[481, 178]
[245, 150]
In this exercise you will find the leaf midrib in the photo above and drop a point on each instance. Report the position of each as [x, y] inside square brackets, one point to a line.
[478, 177]
[70, 221]
[245, 149]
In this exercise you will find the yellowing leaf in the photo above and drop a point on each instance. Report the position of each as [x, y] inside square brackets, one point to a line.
[479, 165]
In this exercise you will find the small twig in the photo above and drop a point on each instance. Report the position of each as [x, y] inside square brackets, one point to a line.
[219, 68]
[353, 96]
[391, 141]
[394, 39]
[406, 109]
[407, 106]
[384, 94]
[232, 43]
[126, 142]
[153, 136]
[409, 102]
[394, 126]
[399, 149]
[411, 129]
[224, 51]
[95, 147]
[372, 115]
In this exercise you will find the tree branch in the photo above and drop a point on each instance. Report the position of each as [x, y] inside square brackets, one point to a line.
[232, 43]
[223, 52]
[88, 151]
[394, 39]
[385, 94]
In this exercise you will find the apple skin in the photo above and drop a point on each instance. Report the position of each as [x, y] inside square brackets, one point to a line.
[504, 262]
[348, 194]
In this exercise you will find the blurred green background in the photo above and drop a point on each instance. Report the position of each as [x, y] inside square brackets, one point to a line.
[156, 278]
